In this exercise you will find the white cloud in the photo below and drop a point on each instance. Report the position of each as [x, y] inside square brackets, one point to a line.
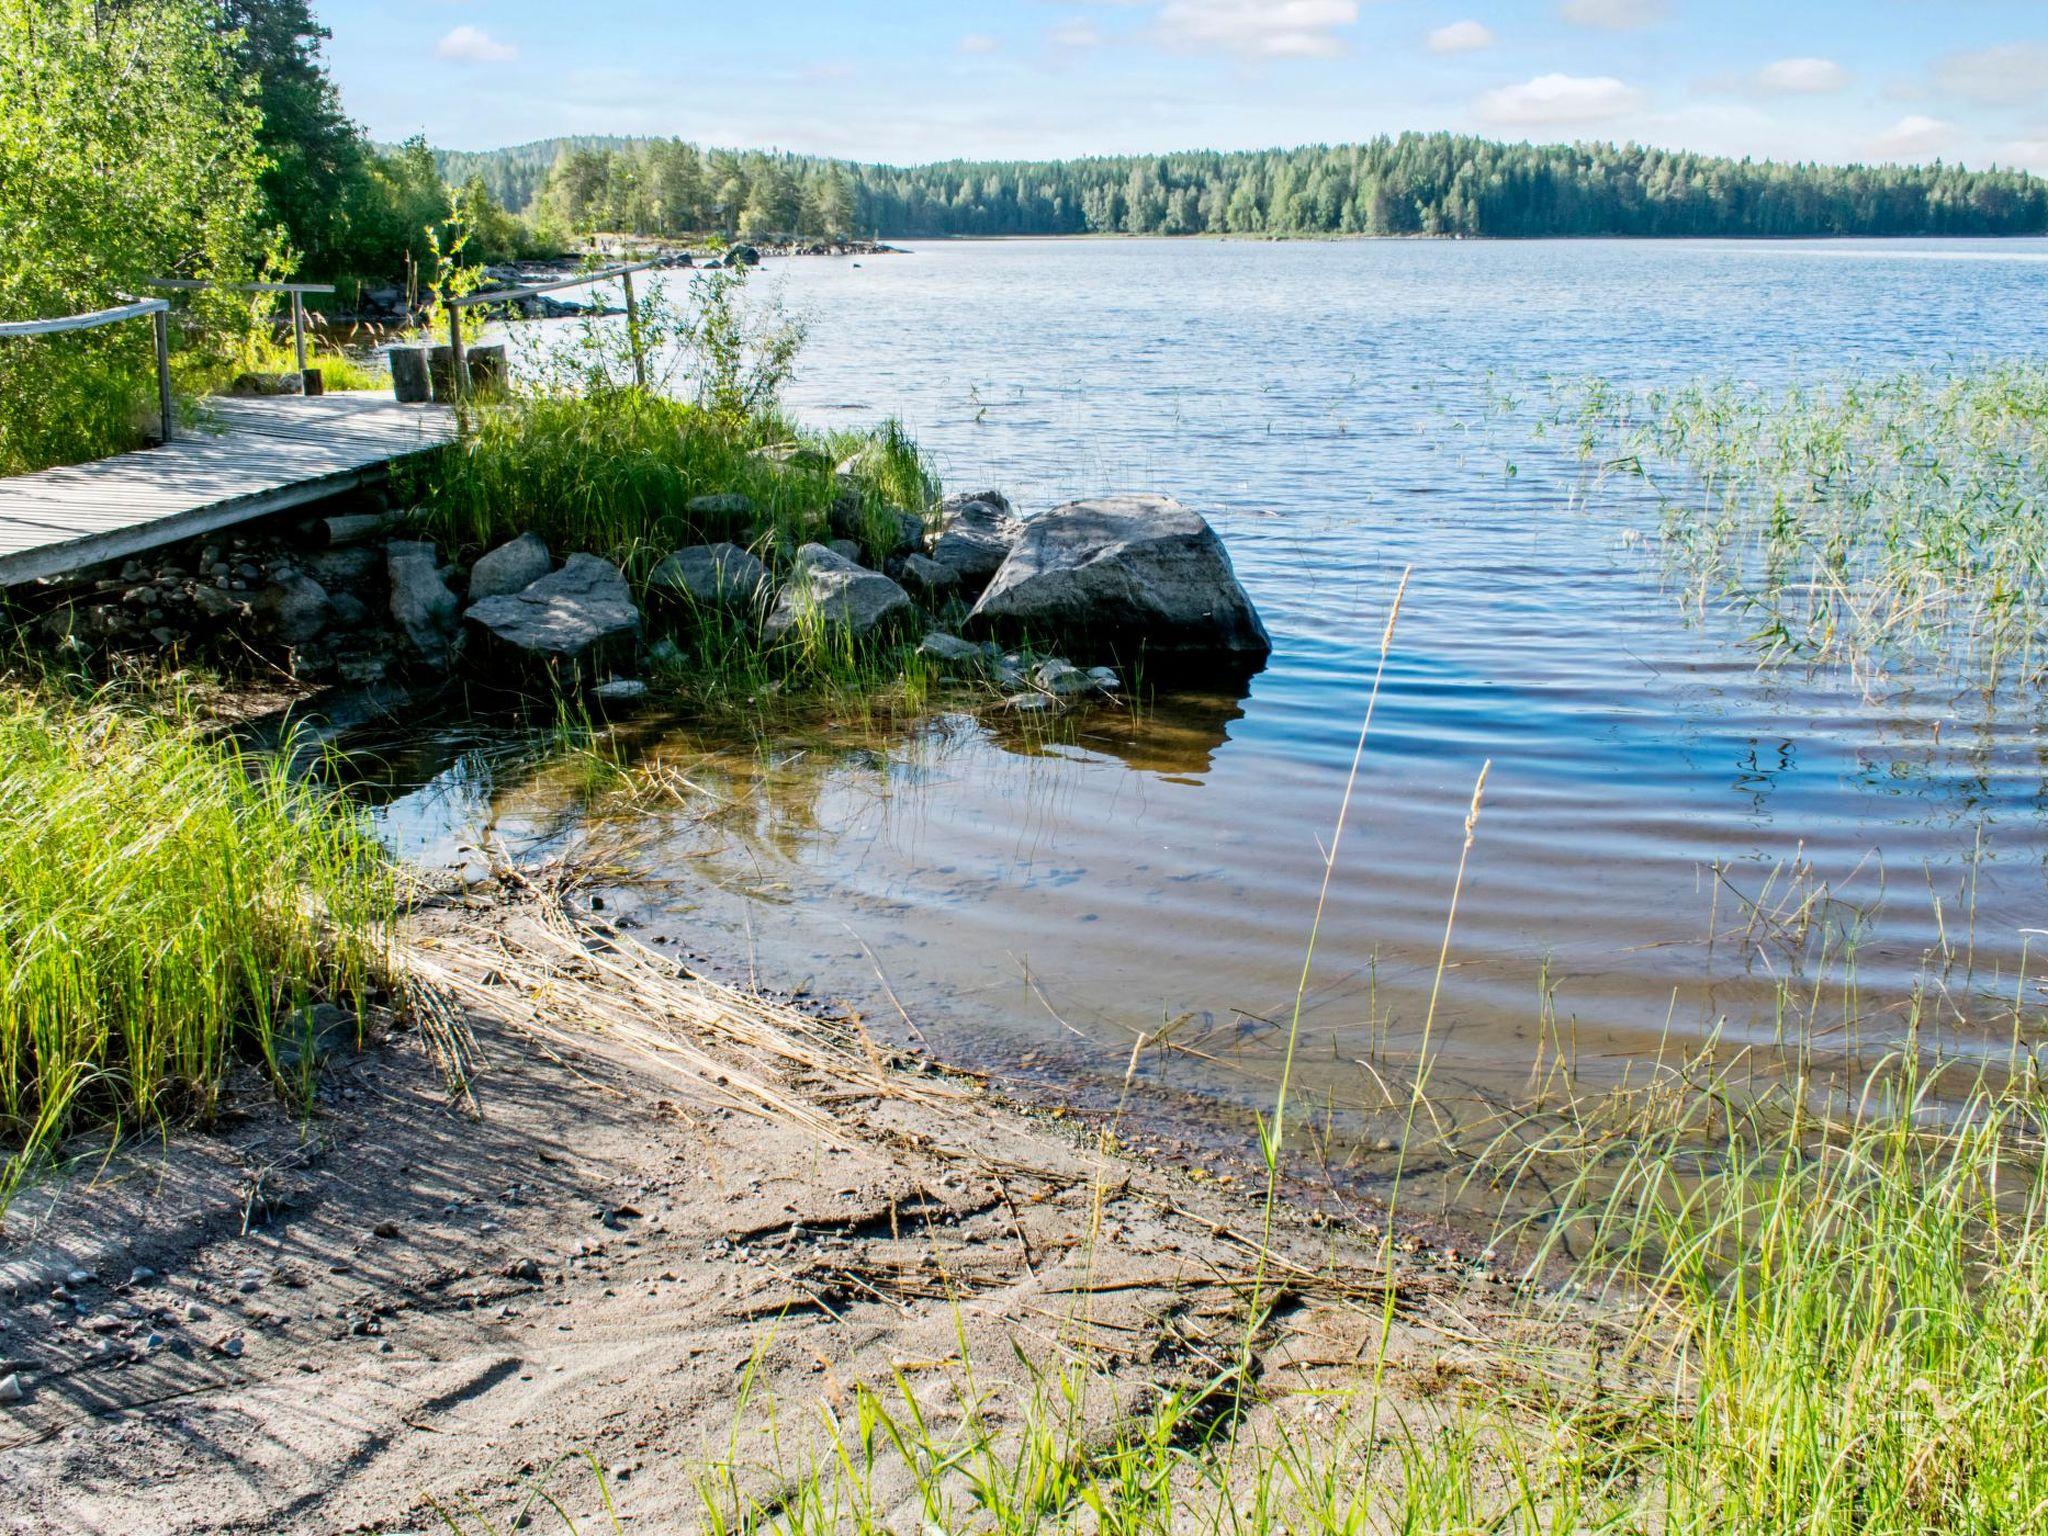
[2027, 154]
[980, 42]
[1802, 77]
[1272, 29]
[1913, 137]
[1553, 100]
[473, 45]
[1462, 37]
[1612, 15]
[2011, 72]
[1075, 34]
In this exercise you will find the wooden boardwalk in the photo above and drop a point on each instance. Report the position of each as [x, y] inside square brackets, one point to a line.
[260, 456]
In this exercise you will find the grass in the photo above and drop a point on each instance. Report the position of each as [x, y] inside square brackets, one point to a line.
[166, 903]
[613, 474]
[1872, 521]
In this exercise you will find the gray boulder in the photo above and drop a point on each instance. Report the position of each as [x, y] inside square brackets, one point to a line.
[510, 567]
[582, 615]
[302, 609]
[1124, 571]
[712, 576]
[727, 504]
[831, 590]
[845, 549]
[422, 606]
[952, 655]
[928, 579]
[975, 535]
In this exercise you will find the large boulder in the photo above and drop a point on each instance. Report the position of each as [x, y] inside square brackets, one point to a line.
[712, 576]
[975, 535]
[510, 567]
[1125, 572]
[422, 605]
[830, 590]
[581, 616]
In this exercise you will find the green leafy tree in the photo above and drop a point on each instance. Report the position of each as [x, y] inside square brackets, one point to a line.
[128, 150]
[316, 157]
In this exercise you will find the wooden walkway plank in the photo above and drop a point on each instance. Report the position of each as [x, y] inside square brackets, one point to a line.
[254, 457]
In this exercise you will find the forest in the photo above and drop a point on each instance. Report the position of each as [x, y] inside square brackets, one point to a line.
[1411, 184]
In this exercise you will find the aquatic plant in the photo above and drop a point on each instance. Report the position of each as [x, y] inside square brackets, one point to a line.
[1860, 520]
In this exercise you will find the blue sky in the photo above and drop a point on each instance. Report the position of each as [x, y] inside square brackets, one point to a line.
[910, 80]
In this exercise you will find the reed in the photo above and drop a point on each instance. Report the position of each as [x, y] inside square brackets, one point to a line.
[166, 904]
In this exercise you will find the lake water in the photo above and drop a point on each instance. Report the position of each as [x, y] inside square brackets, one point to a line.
[1037, 905]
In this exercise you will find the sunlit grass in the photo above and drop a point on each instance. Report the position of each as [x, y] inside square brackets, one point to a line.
[166, 902]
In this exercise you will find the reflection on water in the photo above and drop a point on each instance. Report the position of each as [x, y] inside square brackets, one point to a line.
[1673, 847]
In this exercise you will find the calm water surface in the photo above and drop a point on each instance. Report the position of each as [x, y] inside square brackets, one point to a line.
[1331, 408]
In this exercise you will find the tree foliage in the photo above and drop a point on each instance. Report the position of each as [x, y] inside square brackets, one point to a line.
[1413, 184]
[128, 150]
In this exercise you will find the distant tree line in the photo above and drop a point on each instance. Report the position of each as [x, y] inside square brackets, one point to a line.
[1413, 184]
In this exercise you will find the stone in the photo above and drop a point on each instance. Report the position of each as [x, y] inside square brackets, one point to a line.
[302, 609]
[975, 535]
[836, 593]
[712, 576]
[10, 1388]
[845, 549]
[1105, 678]
[579, 616]
[620, 690]
[1123, 570]
[511, 567]
[1031, 704]
[951, 654]
[347, 610]
[422, 605]
[214, 603]
[928, 579]
[727, 504]
[350, 566]
[1061, 679]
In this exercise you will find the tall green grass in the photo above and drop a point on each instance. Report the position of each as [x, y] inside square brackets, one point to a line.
[613, 473]
[166, 902]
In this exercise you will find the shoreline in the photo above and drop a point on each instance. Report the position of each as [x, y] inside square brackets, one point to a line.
[629, 1193]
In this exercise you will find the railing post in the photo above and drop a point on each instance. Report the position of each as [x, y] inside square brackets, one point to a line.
[162, 327]
[458, 359]
[633, 332]
[299, 335]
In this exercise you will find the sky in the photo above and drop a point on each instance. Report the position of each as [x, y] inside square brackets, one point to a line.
[916, 80]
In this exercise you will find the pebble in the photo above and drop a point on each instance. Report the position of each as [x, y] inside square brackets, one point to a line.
[10, 1388]
[385, 1229]
[194, 1313]
[143, 1275]
[230, 1346]
[79, 1277]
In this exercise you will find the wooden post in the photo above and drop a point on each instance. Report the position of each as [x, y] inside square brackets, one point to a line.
[457, 358]
[162, 327]
[633, 331]
[299, 334]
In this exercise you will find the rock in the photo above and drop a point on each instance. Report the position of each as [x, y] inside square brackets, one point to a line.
[831, 590]
[951, 654]
[524, 1269]
[845, 549]
[1061, 679]
[421, 604]
[385, 1229]
[302, 609]
[620, 690]
[712, 576]
[213, 603]
[578, 616]
[142, 1274]
[1105, 678]
[78, 1277]
[1031, 703]
[929, 579]
[350, 566]
[975, 536]
[1123, 570]
[349, 528]
[10, 1388]
[729, 504]
[347, 610]
[511, 567]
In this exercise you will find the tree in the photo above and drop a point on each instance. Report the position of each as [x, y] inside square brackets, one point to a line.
[774, 205]
[128, 150]
[317, 157]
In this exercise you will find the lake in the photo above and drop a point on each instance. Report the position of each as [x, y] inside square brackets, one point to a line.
[1669, 837]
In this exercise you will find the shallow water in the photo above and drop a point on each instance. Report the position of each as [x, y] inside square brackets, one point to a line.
[1333, 408]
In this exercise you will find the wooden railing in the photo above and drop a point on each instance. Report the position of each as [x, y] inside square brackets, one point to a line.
[457, 303]
[158, 310]
[298, 291]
